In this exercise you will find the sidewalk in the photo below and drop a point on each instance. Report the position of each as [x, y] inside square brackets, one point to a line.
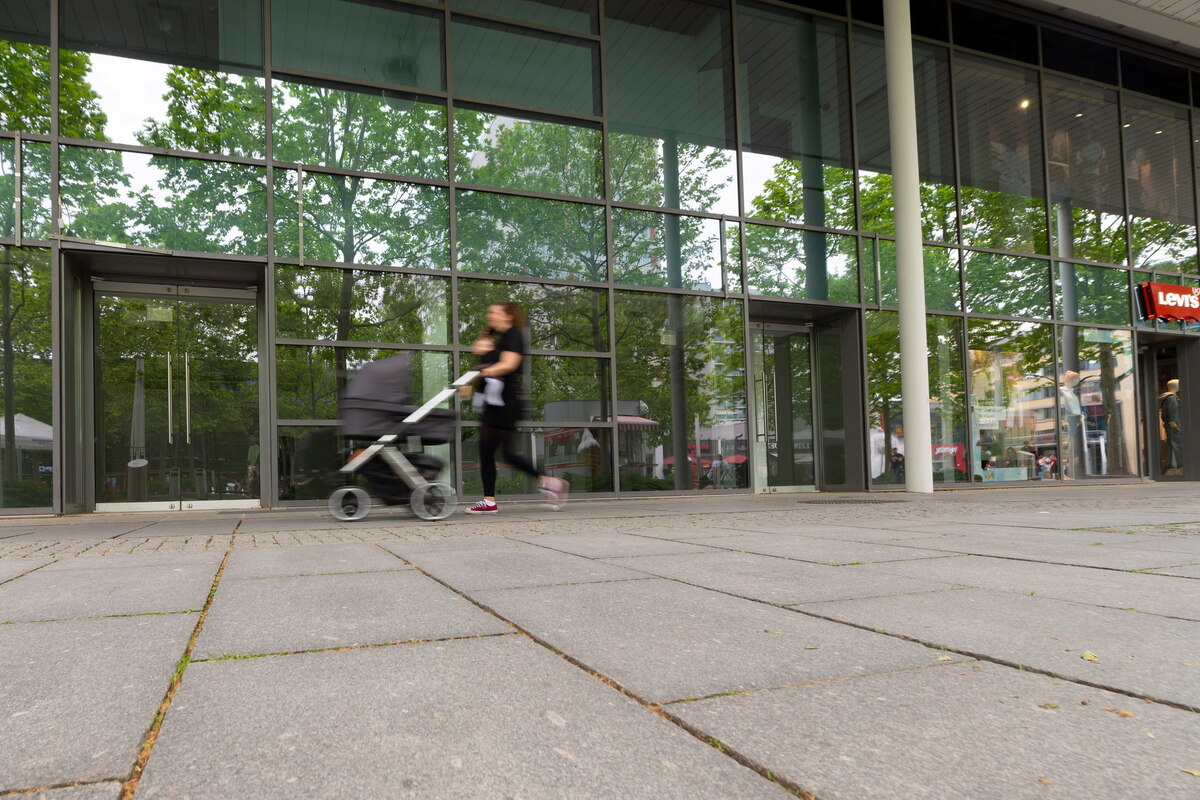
[974, 644]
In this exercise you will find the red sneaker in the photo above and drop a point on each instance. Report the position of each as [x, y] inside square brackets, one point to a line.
[483, 507]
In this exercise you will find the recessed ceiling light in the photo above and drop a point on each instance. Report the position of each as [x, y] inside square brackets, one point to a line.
[1156, 133]
[1080, 114]
[1024, 103]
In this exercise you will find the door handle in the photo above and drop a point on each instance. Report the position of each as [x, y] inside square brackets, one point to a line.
[170, 403]
[187, 395]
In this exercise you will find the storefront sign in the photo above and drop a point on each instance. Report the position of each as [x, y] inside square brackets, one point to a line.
[1170, 303]
[987, 418]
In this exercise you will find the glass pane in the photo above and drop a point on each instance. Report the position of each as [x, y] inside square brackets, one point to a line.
[947, 404]
[176, 107]
[651, 249]
[1097, 402]
[1159, 180]
[942, 288]
[1013, 420]
[582, 456]
[562, 389]
[1092, 294]
[35, 190]
[494, 61]
[519, 153]
[356, 220]
[1000, 155]
[197, 68]
[1085, 172]
[25, 71]
[309, 458]
[27, 457]
[509, 235]
[670, 104]
[163, 201]
[8, 187]
[558, 317]
[1014, 287]
[401, 46]
[287, 211]
[309, 380]
[367, 131]
[795, 105]
[681, 386]
[358, 305]
[574, 15]
[935, 138]
[786, 262]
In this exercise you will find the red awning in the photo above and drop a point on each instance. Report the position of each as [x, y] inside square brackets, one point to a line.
[736, 459]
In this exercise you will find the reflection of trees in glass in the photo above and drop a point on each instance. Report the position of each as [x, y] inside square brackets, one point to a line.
[786, 262]
[707, 350]
[535, 155]
[309, 379]
[25, 76]
[651, 249]
[947, 384]
[1103, 360]
[384, 307]
[1017, 287]
[26, 373]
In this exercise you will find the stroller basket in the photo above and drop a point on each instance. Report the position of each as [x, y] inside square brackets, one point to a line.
[376, 407]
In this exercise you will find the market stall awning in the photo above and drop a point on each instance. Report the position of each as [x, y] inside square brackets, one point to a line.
[630, 423]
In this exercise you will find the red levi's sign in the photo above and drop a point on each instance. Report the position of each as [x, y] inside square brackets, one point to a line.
[1171, 303]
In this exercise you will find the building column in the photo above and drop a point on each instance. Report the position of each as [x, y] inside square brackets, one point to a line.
[910, 266]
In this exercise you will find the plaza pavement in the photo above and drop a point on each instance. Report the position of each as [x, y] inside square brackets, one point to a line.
[1024, 643]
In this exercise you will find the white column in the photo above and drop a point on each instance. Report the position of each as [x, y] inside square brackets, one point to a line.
[910, 269]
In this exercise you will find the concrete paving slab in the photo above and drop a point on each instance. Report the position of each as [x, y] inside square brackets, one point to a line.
[280, 615]
[1152, 656]
[881, 533]
[108, 790]
[503, 568]
[777, 580]
[308, 560]
[1191, 571]
[96, 561]
[819, 551]
[12, 566]
[79, 696]
[608, 544]
[664, 640]
[958, 732]
[407, 549]
[680, 533]
[464, 719]
[1151, 594]
[68, 594]
[1063, 552]
[1107, 517]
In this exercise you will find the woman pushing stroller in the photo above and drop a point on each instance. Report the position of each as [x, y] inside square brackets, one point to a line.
[501, 349]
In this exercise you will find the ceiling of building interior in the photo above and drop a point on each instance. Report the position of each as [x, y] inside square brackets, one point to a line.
[1175, 23]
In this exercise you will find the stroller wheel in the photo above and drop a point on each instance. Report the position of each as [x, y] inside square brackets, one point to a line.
[349, 503]
[433, 501]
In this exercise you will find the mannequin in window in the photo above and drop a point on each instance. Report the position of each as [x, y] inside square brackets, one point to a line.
[1072, 420]
[1169, 413]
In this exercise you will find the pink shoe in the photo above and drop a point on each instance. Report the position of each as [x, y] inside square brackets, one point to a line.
[554, 493]
[483, 507]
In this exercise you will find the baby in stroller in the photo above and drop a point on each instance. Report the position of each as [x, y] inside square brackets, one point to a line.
[388, 433]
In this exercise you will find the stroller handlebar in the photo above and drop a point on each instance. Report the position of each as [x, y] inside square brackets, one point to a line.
[441, 397]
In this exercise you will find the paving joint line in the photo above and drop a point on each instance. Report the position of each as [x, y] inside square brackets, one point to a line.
[655, 708]
[35, 569]
[129, 786]
[101, 616]
[50, 786]
[252, 656]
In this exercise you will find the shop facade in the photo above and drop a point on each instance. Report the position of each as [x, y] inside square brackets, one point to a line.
[212, 213]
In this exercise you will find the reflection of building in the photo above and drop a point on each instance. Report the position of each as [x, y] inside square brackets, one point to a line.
[319, 204]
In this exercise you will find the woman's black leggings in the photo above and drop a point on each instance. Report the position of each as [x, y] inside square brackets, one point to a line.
[493, 439]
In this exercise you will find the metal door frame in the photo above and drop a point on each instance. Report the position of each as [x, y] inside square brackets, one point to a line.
[759, 329]
[164, 291]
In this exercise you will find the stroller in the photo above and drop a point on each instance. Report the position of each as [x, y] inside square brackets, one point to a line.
[376, 406]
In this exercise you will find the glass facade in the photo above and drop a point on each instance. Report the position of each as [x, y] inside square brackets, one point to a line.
[646, 178]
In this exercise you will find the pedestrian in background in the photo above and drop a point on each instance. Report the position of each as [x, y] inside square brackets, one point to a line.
[501, 349]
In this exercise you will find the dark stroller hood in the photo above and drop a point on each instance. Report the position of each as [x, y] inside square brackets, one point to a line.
[379, 397]
[380, 385]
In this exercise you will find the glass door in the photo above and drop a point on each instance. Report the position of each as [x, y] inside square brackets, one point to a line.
[784, 456]
[177, 401]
